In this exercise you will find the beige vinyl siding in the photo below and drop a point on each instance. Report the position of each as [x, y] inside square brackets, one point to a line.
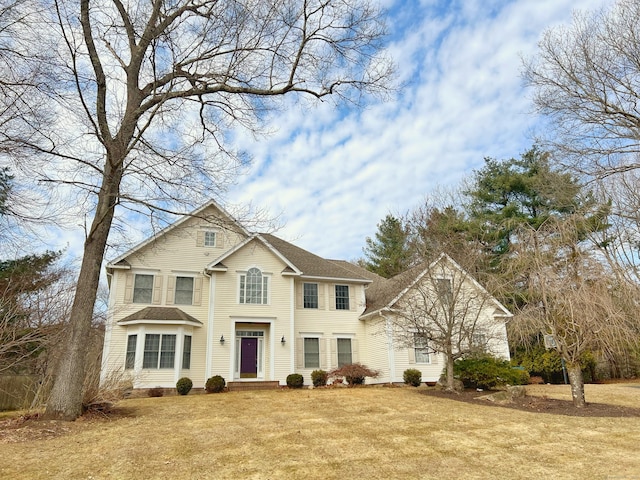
[374, 352]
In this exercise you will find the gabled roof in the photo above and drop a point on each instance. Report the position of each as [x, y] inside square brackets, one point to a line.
[298, 261]
[168, 315]
[120, 261]
[384, 294]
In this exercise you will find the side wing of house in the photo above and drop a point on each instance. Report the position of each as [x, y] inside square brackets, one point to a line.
[399, 309]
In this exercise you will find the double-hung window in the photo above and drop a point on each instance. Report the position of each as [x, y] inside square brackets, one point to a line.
[310, 295]
[254, 287]
[342, 297]
[159, 351]
[345, 356]
[143, 288]
[130, 357]
[311, 353]
[186, 353]
[209, 239]
[421, 349]
[184, 291]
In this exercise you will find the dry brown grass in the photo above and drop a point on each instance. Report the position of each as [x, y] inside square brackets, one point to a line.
[330, 433]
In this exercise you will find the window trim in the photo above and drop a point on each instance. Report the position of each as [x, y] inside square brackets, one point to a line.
[421, 349]
[160, 359]
[130, 353]
[304, 352]
[186, 352]
[342, 302]
[305, 296]
[265, 298]
[150, 289]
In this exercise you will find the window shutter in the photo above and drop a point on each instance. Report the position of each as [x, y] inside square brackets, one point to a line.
[128, 288]
[352, 297]
[200, 238]
[157, 290]
[171, 289]
[433, 357]
[323, 352]
[332, 298]
[299, 294]
[355, 351]
[197, 291]
[321, 288]
[334, 352]
[299, 352]
[219, 240]
[412, 355]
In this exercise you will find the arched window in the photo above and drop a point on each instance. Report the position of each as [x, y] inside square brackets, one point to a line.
[254, 287]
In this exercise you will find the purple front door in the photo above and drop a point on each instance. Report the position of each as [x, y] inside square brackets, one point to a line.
[248, 357]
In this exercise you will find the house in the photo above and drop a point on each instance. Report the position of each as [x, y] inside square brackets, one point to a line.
[206, 297]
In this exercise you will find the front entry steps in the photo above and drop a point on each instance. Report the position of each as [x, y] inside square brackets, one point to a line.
[244, 386]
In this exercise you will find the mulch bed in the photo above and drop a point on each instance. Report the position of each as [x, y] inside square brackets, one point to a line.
[536, 404]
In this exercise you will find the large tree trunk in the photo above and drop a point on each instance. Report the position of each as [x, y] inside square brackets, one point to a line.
[577, 384]
[450, 377]
[65, 401]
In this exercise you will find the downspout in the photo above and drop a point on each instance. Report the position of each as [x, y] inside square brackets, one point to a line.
[390, 349]
[210, 319]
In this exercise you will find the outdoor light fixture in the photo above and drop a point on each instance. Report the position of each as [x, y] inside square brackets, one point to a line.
[221, 339]
[282, 341]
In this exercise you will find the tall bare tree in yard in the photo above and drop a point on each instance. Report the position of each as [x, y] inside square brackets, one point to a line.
[585, 79]
[572, 297]
[448, 312]
[147, 92]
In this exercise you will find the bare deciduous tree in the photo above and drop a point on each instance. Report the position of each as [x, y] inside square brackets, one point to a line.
[147, 92]
[571, 296]
[448, 312]
[585, 79]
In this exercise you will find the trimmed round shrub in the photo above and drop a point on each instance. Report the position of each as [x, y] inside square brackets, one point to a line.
[184, 385]
[295, 380]
[215, 384]
[412, 377]
[319, 378]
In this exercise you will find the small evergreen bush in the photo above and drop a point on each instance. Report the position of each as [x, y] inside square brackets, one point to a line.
[354, 373]
[319, 378]
[184, 385]
[487, 372]
[413, 377]
[215, 384]
[295, 380]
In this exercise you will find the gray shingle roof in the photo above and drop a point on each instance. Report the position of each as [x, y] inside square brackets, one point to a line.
[312, 265]
[162, 314]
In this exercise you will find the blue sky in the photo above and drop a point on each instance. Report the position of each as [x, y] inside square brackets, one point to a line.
[330, 175]
[339, 173]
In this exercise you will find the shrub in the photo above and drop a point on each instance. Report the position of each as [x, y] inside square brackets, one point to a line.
[215, 384]
[413, 377]
[319, 378]
[295, 380]
[184, 385]
[354, 373]
[155, 392]
[486, 371]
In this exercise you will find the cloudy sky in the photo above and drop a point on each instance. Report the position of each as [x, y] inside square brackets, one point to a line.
[331, 175]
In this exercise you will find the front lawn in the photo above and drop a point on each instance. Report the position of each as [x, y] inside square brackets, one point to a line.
[343, 433]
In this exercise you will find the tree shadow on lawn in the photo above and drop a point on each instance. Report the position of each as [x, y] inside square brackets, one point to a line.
[538, 404]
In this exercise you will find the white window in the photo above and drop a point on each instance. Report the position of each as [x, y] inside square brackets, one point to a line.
[143, 288]
[311, 352]
[421, 349]
[184, 291]
[310, 294]
[130, 357]
[342, 297]
[254, 287]
[345, 356]
[159, 351]
[209, 239]
[186, 353]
